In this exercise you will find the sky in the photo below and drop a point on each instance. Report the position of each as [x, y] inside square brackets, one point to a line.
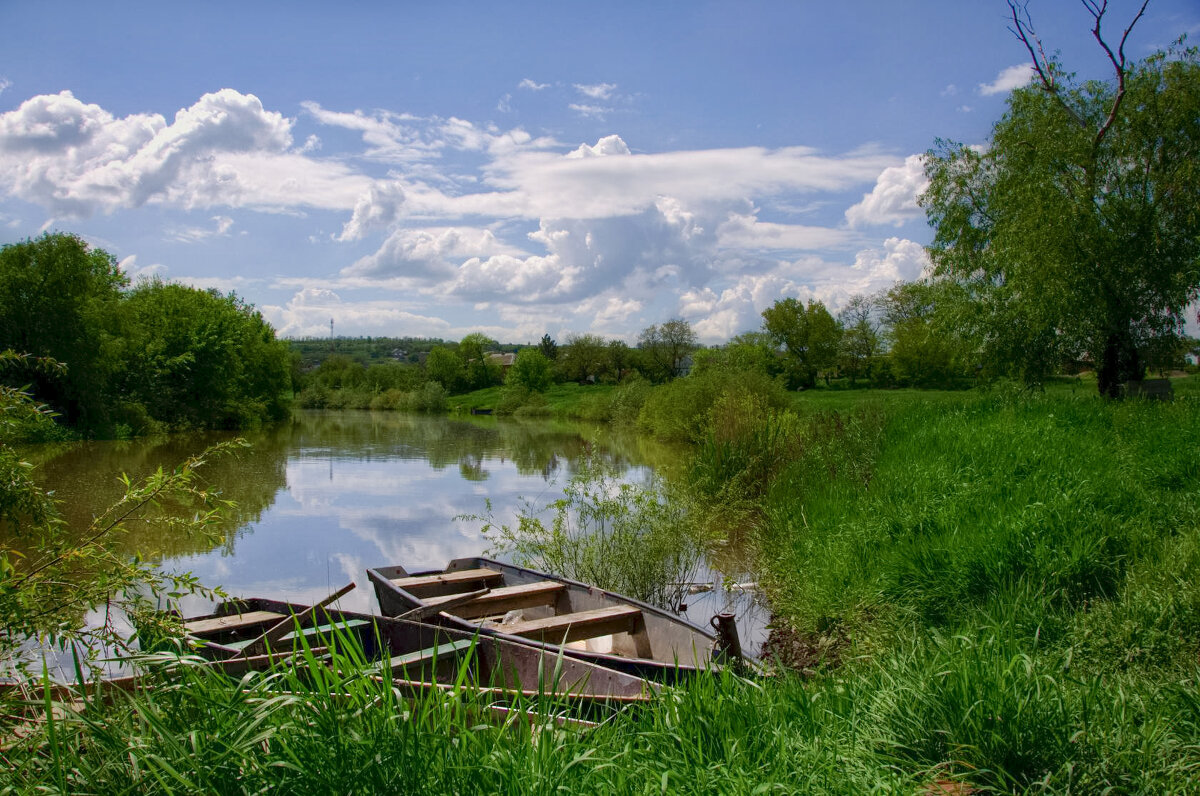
[434, 169]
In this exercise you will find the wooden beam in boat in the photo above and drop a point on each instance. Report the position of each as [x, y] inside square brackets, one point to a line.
[565, 628]
[498, 602]
[442, 583]
[199, 627]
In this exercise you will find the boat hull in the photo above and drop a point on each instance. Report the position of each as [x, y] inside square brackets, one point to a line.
[419, 656]
[653, 643]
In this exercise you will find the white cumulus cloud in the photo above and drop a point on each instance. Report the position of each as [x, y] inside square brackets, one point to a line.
[77, 159]
[429, 253]
[1008, 79]
[893, 200]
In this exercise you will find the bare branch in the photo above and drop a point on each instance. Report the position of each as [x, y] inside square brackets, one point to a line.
[1022, 28]
[1097, 10]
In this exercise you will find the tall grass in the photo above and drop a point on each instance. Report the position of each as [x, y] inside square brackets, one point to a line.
[950, 709]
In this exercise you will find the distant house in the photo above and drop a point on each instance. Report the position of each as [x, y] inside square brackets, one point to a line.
[505, 361]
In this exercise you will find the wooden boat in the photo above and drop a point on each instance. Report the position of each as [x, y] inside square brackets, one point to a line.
[521, 605]
[416, 656]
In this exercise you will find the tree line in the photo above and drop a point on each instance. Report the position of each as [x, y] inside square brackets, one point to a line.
[133, 359]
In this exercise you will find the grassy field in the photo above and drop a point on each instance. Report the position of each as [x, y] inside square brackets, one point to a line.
[997, 590]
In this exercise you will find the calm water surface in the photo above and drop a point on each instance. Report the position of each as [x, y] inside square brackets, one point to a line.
[322, 498]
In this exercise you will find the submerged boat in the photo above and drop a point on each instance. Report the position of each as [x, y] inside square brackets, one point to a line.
[415, 656]
[485, 596]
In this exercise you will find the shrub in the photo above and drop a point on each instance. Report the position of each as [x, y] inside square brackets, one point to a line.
[679, 410]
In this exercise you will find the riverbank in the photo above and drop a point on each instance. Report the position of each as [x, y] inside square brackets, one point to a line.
[1000, 590]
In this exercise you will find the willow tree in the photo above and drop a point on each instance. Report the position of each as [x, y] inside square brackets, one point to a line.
[1075, 230]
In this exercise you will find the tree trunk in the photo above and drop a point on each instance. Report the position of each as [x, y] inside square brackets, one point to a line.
[1120, 363]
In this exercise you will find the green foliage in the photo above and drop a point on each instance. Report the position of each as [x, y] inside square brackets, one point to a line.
[197, 359]
[809, 336]
[392, 376]
[481, 370]
[1073, 232]
[58, 300]
[548, 347]
[679, 410]
[531, 371]
[860, 343]
[584, 358]
[752, 351]
[157, 356]
[445, 367]
[624, 404]
[748, 445]
[666, 348]
[429, 398]
[923, 347]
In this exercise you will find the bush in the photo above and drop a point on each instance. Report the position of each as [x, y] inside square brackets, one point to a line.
[679, 410]
[431, 398]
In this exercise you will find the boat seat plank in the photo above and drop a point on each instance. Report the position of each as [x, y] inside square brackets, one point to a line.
[308, 632]
[200, 626]
[447, 582]
[450, 649]
[500, 601]
[565, 628]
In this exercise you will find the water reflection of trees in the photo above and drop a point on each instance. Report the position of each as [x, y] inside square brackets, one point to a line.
[84, 476]
[546, 448]
[85, 480]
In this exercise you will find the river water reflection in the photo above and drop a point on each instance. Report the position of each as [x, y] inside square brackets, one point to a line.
[324, 497]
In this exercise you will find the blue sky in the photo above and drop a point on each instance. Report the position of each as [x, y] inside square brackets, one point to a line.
[434, 169]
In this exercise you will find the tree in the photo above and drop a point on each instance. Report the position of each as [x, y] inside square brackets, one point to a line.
[530, 371]
[667, 347]
[445, 366]
[860, 337]
[621, 359]
[199, 359]
[1074, 231]
[481, 370]
[809, 336]
[548, 347]
[583, 358]
[57, 299]
[918, 325]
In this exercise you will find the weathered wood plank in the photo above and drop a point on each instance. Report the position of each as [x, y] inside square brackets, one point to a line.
[504, 599]
[451, 649]
[565, 628]
[199, 627]
[276, 632]
[448, 582]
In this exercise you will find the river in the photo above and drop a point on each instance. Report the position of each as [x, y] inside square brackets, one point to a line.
[320, 499]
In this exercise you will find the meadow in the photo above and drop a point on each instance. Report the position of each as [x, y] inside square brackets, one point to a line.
[984, 592]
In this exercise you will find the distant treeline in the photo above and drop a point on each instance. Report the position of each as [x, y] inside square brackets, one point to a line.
[905, 336]
[134, 360]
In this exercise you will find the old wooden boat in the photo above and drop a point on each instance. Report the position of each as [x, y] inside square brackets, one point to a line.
[416, 656]
[522, 605]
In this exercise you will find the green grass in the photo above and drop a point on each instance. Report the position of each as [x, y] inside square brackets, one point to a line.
[1014, 580]
[949, 709]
